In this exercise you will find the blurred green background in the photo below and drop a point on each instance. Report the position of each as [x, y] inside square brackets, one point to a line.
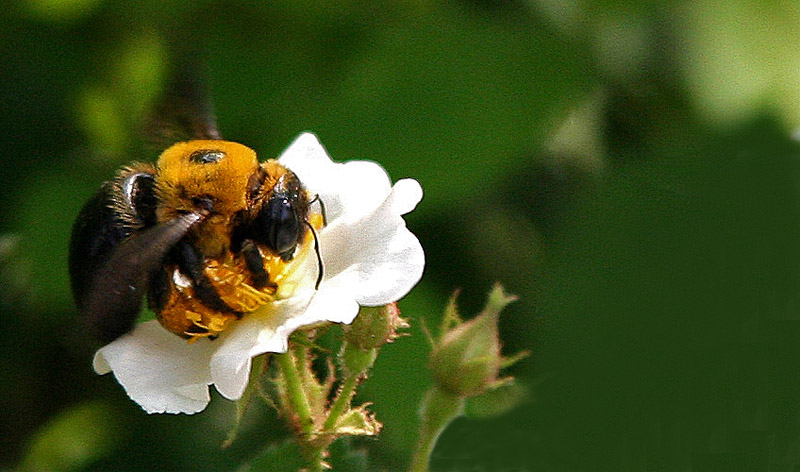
[626, 167]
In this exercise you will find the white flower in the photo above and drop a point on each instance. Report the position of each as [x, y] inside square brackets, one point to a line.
[370, 259]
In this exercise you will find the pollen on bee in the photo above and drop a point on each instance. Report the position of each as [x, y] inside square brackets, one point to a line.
[185, 315]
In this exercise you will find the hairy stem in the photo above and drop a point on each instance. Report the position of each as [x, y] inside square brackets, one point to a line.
[356, 364]
[342, 402]
[299, 405]
[438, 409]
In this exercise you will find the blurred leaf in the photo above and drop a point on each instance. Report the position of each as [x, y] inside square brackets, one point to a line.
[286, 457]
[60, 11]
[505, 86]
[73, 439]
[43, 220]
[417, 92]
[111, 109]
[742, 57]
[99, 114]
[345, 457]
[15, 272]
[138, 70]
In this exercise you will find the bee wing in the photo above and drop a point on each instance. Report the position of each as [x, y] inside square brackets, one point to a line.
[184, 111]
[115, 291]
[116, 244]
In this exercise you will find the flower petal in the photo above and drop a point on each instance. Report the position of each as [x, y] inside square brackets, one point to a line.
[376, 257]
[266, 330]
[332, 302]
[158, 370]
[354, 187]
[406, 194]
[230, 364]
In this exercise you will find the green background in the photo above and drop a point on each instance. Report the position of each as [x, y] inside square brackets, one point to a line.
[625, 167]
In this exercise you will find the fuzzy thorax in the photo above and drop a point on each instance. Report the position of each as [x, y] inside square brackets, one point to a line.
[206, 176]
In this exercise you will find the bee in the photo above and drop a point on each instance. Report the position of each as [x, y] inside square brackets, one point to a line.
[205, 234]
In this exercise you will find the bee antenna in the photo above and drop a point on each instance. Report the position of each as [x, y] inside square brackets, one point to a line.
[319, 256]
[321, 207]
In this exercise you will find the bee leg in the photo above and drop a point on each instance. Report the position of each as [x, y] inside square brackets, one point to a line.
[190, 263]
[259, 277]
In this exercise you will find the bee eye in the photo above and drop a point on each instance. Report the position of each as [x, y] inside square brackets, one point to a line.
[206, 156]
[278, 226]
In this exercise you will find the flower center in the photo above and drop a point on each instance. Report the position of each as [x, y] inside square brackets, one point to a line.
[185, 315]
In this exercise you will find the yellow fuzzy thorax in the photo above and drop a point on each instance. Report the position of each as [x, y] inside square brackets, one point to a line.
[182, 179]
[179, 178]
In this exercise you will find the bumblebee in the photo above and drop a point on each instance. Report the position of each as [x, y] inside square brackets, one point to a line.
[206, 234]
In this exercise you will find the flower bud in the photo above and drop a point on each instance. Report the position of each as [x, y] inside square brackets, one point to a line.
[466, 359]
[375, 326]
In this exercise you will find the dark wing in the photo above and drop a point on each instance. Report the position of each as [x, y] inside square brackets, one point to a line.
[115, 246]
[184, 110]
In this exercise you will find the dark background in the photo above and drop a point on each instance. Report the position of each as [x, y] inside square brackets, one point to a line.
[625, 167]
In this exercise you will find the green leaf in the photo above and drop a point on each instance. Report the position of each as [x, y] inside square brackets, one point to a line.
[73, 439]
[462, 91]
[357, 422]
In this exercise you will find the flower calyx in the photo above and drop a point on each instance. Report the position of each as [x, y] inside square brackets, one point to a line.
[375, 326]
[466, 359]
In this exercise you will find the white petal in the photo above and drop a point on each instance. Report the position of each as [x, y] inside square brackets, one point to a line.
[230, 364]
[304, 154]
[332, 302]
[266, 330]
[354, 187]
[357, 187]
[158, 370]
[406, 194]
[376, 257]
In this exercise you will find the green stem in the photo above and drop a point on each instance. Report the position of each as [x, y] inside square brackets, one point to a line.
[298, 402]
[342, 401]
[356, 363]
[438, 409]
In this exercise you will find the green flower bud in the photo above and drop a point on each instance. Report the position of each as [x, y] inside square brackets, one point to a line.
[466, 359]
[375, 326]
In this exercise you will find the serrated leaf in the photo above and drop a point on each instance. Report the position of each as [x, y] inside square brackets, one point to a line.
[357, 422]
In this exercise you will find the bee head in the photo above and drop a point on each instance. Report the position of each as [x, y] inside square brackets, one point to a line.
[281, 212]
